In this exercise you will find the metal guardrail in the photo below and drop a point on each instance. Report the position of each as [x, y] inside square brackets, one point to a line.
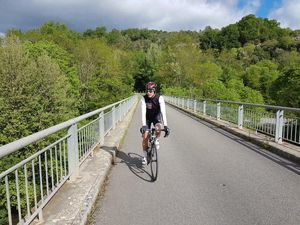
[35, 180]
[282, 123]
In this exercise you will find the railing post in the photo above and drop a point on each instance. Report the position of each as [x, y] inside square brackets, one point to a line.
[113, 112]
[195, 105]
[240, 116]
[40, 216]
[127, 105]
[73, 158]
[118, 113]
[218, 110]
[124, 109]
[101, 128]
[121, 111]
[279, 126]
[204, 107]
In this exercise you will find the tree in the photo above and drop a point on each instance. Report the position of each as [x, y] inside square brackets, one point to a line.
[286, 89]
[251, 96]
[99, 32]
[95, 61]
[180, 62]
[215, 89]
[34, 93]
[252, 77]
[60, 34]
[209, 38]
[286, 42]
[261, 77]
[55, 32]
[176, 91]
[61, 57]
[269, 74]
[256, 30]
[229, 37]
[208, 72]
[115, 38]
[246, 55]
[33, 96]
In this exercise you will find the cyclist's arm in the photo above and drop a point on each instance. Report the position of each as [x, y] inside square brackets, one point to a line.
[143, 107]
[163, 109]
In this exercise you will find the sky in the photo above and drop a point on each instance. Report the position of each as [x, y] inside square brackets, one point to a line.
[168, 15]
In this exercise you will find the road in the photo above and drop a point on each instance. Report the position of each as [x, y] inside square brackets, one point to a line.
[206, 176]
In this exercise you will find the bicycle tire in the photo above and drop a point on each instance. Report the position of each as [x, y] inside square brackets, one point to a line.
[154, 163]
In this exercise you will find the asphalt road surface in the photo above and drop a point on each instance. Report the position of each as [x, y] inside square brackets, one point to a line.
[206, 176]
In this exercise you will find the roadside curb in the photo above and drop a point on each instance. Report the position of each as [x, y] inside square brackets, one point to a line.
[285, 150]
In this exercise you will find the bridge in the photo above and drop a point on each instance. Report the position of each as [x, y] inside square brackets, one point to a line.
[213, 169]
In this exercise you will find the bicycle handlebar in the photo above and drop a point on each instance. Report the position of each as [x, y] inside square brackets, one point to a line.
[154, 129]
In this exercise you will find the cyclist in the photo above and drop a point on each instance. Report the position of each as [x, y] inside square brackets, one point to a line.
[153, 111]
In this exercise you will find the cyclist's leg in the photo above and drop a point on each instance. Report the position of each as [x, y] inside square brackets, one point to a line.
[158, 125]
[146, 137]
[145, 144]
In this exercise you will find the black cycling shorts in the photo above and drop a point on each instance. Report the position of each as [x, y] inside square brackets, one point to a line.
[154, 121]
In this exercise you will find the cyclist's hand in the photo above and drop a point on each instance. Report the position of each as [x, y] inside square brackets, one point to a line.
[143, 129]
[167, 131]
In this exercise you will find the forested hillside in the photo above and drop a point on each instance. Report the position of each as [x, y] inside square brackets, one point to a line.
[52, 73]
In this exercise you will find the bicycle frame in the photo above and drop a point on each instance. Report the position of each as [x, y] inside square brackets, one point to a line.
[152, 136]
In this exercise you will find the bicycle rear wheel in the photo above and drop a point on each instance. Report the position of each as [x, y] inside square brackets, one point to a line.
[154, 163]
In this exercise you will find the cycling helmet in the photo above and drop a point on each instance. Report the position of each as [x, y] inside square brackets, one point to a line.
[151, 85]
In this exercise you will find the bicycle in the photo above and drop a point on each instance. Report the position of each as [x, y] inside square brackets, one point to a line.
[152, 157]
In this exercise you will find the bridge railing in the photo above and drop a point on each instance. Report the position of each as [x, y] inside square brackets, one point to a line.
[281, 123]
[29, 185]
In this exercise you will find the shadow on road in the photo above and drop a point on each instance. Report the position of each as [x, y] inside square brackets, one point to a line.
[134, 163]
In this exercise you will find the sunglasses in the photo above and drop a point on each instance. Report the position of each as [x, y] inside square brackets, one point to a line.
[150, 91]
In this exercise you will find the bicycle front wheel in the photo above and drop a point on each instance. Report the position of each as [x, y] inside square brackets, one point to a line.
[154, 163]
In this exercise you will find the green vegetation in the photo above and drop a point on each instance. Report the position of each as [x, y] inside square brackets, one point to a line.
[52, 73]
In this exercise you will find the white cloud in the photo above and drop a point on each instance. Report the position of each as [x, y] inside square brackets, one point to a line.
[287, 14]
[167, 15]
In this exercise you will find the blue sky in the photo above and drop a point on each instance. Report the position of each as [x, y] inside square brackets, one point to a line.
[266, 7]
[169, 15]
